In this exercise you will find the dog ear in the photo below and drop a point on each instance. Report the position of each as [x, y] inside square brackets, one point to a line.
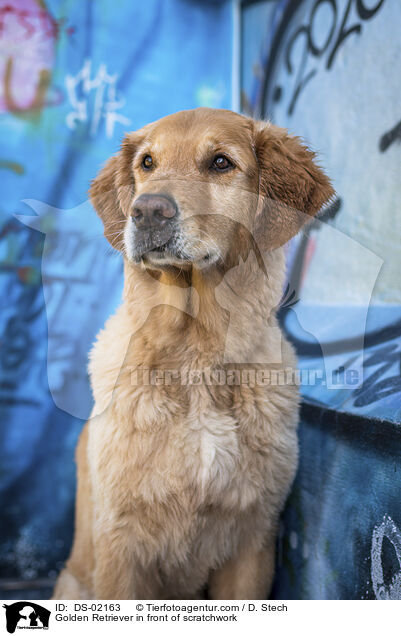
[292, 187]
[112, 192]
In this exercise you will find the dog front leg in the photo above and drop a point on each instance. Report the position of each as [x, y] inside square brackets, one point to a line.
[248, 575]
[118, 575]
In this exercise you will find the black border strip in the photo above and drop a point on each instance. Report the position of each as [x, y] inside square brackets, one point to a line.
[369, 433]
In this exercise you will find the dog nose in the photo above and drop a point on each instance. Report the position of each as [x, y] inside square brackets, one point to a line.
[153, 210]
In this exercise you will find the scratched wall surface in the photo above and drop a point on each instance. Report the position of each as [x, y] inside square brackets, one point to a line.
[340, 536]
[73, 77]
[325, 69]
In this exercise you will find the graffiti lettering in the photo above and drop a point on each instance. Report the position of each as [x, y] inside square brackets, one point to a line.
[301, 79]
[389, 589]
[390, 137]
[376, 386]
[105, 100]
[336, 31]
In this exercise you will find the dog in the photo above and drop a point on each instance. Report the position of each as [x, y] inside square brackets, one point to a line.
[184, 466]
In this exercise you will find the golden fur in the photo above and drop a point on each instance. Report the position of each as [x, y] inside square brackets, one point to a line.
[180, 484]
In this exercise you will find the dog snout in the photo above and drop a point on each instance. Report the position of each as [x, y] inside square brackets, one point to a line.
[153, 210]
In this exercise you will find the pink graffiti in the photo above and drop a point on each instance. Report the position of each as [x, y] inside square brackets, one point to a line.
[27, 42]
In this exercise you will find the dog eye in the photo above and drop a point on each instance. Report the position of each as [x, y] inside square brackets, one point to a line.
[221, 163]
[147, 162]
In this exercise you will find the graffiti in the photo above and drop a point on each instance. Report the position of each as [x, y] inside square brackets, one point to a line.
[379, 385]
[27, 36]
[22, 308]
[390, 137]
[13, 166]
[386, 580]
[94, 100]
[304, 46]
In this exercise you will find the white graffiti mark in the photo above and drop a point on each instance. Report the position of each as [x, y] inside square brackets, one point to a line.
[94, 99]
[387, 529]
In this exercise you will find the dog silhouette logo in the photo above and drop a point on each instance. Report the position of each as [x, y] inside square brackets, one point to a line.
[26, 615]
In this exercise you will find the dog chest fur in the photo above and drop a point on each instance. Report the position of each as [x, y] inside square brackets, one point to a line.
[219, 439]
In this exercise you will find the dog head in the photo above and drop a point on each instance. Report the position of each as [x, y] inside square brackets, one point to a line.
[203, 186]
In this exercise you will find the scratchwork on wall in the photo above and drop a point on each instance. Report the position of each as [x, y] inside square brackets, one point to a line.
[325, 70]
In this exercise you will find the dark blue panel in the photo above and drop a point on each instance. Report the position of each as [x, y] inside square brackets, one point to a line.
[341, 531]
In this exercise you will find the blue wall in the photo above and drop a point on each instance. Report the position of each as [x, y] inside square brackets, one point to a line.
[76, 76]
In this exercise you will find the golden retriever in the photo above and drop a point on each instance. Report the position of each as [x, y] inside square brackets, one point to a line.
[191, 449]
